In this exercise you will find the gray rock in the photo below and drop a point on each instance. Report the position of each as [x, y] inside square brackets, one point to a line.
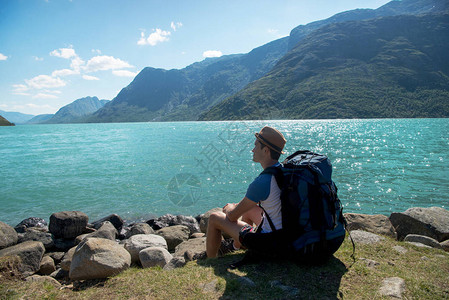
[400, 249]
[209, 287]
[32, 222]
[243, 280]
[98, 258]
[8, 236]
[175, 262]
[392, 287]
[30, 252]
[116, 220]
[64, 244]
[420, 245]
[291, 291]
[445, 245]
[56, 256]
[378, 224]
[171, 220]
[196, 247]
[154, 256]
[46, 279]
[423, 240]
[106, 231]
[59, 274]
[138, 242]
[31, 234]
[174, 235]
[432, 222]
[67, 260]
[47, 265]
[197, 235]
[68, 224]
[205, 218]
[364, 237]
[139, 228]
[369, 262]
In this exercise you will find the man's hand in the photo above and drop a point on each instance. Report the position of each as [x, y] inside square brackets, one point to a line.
[229, 207]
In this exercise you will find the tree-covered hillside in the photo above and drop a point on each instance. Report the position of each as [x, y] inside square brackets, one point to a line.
[385, 67]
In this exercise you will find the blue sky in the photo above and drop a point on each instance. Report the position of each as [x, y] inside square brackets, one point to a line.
[53, 52]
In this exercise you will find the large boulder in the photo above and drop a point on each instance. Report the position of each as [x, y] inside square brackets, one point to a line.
[422, 239]
[138, 242]
[33, 222]
[116, 220]
[432, 222]
[96, 258]
[378, 224]
[154, 256]
[32, 234]
[205, 218]
[8, 236]
[106, 231]
[195, 247]
[30, 253]
[47, 265]
[67, 259]
[174, 235]
[68, 224]
[171, 220]
[139, 228]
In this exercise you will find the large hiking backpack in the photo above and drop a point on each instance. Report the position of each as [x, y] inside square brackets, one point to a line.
[311, 210]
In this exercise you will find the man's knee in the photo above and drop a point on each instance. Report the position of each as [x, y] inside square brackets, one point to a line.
[216, 218]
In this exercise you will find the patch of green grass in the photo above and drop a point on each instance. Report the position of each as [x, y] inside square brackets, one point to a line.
[425, 271]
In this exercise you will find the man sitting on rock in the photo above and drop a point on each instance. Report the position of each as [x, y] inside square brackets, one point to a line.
[264, 191]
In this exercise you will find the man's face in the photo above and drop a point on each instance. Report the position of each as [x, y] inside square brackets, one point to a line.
[257, 151]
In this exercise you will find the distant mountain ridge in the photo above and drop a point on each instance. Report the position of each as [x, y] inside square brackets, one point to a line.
[161, 95]
[384, 67]
[16, 117]
[76, 111]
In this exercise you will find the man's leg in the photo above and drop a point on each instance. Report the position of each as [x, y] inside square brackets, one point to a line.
[218, 223]
[253, 216]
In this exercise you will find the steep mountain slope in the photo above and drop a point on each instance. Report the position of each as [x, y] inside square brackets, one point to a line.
[40, 119]
[157, 94]
[73, 112]
[4, 122]
[386, 67]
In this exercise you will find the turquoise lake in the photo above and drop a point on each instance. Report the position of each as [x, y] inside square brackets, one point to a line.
[142, 170]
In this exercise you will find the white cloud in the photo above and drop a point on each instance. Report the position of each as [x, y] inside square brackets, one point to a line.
[76, 64]
[273, 31]
[3, 57]
[212, 53]
[102, 63]
[156, 37]
[44, 96]
[64, 53]
[97, 51]
[88, 77]
[45, 81]
[64, 72]
[38, 58]
[20, 89]
[124, 73]
[176, 25]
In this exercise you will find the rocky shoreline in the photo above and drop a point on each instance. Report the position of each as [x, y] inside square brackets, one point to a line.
[69, 248]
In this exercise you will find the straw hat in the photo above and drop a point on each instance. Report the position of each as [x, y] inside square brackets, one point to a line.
[271, 138]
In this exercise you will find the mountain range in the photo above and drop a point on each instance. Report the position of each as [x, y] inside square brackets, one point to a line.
[4, 122]
[295, 70]
[363, 63]
[381, 68]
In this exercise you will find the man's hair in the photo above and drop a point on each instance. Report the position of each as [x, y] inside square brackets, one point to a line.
[273, 154]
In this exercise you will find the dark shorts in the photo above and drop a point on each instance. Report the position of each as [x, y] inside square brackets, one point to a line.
[276, 244]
